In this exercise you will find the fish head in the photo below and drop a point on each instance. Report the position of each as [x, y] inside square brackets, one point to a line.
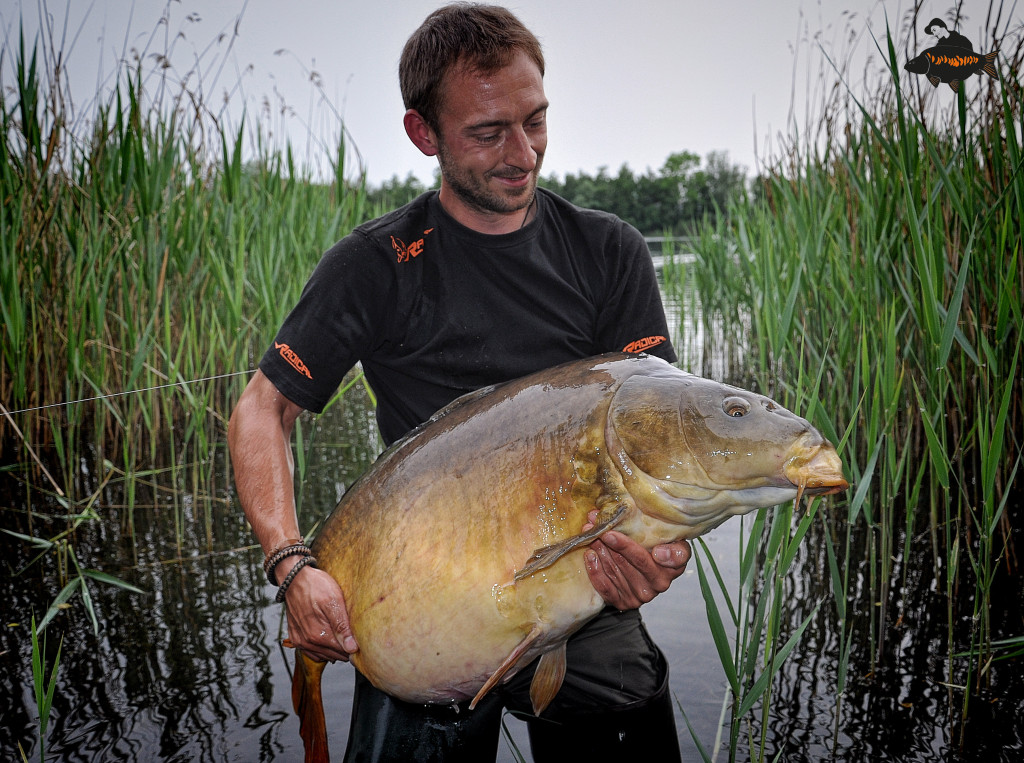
[917, 65]
[695, 452]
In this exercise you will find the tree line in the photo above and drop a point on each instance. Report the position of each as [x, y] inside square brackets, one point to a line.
[670, 201]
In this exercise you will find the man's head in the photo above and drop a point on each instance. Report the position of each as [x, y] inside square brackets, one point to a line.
[483, 38]
[938, 28]
[472, 80]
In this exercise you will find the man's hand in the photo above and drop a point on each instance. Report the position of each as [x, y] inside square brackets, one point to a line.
[626, 574]
[317, 618]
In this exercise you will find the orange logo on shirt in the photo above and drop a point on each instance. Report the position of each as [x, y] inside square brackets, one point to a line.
[407, 251]
[640, 345]
[292, 359]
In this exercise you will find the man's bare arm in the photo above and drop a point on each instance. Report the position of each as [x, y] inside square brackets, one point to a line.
[259, 438]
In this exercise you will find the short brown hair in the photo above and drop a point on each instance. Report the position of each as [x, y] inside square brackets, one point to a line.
[483, 37]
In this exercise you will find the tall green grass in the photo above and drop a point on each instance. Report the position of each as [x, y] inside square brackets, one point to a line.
[878, 288]
[144, 255]
[145, 262]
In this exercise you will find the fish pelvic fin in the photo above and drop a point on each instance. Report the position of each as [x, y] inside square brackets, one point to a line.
[989, 67]
[309, 706]
[955, 85]
[507, 664]
[548, 555]
[548, 678]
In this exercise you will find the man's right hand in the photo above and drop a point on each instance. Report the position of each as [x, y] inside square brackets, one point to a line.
[317, 618]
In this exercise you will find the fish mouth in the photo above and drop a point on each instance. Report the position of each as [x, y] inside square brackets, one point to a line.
[815, 470]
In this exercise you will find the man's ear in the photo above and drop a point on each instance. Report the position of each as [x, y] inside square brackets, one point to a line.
[420, 133]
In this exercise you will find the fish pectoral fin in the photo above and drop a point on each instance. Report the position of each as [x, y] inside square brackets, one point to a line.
[548, 678]
[507, 665]
[934, 80]
[545, 557]
[309, 706]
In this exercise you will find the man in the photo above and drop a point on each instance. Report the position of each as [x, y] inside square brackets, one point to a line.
[484, 281]
[947, 39]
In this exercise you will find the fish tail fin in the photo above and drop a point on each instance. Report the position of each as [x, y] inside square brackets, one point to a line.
[989, 67]
[309, 706]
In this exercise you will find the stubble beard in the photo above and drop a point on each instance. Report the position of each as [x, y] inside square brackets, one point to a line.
[474, 193]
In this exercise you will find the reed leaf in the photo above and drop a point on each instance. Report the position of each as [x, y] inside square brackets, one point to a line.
[761, 684]
[718, 632]
[44, 690]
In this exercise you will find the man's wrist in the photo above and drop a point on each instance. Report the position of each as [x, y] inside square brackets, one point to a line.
[294, 547]
[300, 563]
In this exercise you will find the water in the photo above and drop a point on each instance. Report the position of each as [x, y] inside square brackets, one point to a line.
[193, 668]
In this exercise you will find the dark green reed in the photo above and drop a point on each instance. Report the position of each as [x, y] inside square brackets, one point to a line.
[143, 268]
[43, 689]
[143, 256]
[877, 289]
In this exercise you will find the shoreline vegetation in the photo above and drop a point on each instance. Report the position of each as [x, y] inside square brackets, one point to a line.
[872, 279]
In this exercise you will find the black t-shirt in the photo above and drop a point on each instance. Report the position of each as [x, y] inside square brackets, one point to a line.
[433, 309]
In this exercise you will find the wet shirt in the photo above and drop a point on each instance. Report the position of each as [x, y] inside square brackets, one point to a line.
[433, 309]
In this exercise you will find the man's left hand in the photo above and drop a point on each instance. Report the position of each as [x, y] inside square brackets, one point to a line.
[627, 575]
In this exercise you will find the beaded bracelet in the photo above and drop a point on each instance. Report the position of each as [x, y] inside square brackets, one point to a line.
[275, 557]
[278, 547]
[291, 576]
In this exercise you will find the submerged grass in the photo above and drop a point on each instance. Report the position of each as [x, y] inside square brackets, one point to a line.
[879, 285]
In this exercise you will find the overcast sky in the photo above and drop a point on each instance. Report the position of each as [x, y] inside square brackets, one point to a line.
[629, 81]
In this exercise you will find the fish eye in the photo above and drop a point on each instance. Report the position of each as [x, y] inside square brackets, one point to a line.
[735, 407]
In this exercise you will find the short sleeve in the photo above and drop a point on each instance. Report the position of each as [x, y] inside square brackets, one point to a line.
[336, 322]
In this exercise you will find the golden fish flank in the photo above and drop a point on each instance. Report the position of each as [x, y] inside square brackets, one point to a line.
[497, 550]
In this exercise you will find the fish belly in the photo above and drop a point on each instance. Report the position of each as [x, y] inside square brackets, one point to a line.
[447, 651]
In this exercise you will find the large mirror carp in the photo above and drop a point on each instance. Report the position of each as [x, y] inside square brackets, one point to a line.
[460, 552]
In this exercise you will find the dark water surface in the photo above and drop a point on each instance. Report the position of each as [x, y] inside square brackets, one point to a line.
[193, 670]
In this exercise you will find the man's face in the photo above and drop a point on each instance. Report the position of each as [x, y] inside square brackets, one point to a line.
[491, 141]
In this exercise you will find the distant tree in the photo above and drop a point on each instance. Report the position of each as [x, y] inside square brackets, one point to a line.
[671, 200]
[393, 193]
[681, 193]
[710, 189]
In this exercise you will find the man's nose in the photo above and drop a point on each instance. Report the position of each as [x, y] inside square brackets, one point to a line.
[520, 151]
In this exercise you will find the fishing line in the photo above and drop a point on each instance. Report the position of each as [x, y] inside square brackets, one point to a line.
[130, 392]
